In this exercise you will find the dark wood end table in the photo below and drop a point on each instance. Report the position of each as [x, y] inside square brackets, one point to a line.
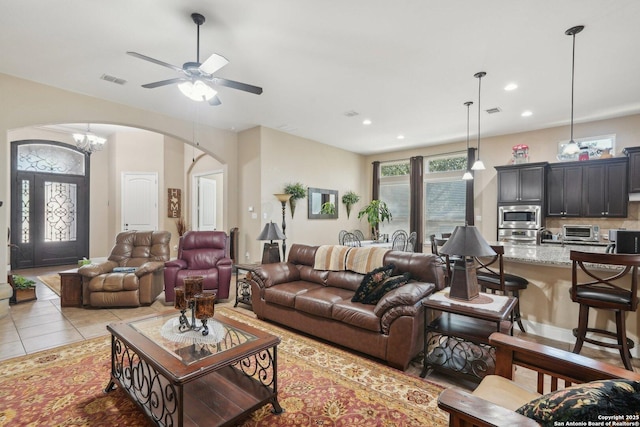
[243, 287]
[456, 336]
[70, 288]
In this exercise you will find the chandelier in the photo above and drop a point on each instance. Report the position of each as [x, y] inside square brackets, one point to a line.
[88, 142]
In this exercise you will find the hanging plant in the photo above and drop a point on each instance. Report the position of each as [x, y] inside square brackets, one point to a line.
[297, 192]
[349, 199]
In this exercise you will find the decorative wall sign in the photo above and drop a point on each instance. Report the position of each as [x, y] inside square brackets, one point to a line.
[174, 201]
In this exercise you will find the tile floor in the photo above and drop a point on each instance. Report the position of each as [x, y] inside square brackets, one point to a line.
[42, 324]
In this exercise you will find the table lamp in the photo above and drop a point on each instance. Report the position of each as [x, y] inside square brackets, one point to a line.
[271, 251]
[466, 242]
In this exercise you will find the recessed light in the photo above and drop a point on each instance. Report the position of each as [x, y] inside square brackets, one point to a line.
[526, 113]
[511, 86]
[400, 136]
[366, 122]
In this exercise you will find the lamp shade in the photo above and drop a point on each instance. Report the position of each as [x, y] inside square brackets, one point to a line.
[271, 232]
[467, 241]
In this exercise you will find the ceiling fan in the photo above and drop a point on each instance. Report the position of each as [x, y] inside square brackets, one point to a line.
[197, 80]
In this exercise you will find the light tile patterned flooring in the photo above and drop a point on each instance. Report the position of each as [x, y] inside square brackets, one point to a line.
[43, 324]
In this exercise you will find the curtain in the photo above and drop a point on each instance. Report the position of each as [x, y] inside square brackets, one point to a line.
[375, 186]
[416, 202]
[471, 157]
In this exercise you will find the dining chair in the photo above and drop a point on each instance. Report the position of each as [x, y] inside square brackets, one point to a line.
[359, 234]
[395, 233]
[604, 289]
[411, 242]
[341, 236]
[350, 239]
[399, 242]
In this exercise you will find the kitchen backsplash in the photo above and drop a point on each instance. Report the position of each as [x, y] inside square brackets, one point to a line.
[631, 222]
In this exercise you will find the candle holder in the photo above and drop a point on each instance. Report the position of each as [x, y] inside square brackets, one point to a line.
[186, 298]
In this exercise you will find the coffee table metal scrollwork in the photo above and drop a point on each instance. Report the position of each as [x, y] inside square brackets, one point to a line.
[200, 383]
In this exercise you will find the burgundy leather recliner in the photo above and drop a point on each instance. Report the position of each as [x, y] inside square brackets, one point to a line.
[200, 253]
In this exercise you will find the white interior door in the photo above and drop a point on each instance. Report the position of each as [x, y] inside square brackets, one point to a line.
[206, 203]
[139, 201]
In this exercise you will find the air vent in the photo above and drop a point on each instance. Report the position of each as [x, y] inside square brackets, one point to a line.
[351, 113]
[112, 79]
[493, 110]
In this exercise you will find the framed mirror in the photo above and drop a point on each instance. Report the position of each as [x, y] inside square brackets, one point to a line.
[323, 204]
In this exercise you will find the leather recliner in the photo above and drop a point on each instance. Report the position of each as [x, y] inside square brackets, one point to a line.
[200, 253]
[132, 275]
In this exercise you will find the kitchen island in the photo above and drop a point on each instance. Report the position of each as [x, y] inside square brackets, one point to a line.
[546, 306]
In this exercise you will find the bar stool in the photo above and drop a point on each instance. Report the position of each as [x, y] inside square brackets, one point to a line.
[599, 291]
[491, 277]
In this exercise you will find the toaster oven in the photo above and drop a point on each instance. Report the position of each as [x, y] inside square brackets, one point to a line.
[582, 233]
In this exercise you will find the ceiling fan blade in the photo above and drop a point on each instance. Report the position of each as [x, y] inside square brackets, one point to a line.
[155, 61]
[213, 64]
[215, 101]
[237, 85]
[164, 82]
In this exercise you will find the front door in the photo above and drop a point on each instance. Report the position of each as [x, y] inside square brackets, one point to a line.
[49, 204]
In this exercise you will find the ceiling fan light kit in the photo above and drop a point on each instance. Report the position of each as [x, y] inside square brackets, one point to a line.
[197, 81]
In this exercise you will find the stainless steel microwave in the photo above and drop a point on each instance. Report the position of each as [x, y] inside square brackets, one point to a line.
[520, 216]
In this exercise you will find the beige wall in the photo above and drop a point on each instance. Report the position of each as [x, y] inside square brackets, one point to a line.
[269, 160]
[543, 145]
[24, 104]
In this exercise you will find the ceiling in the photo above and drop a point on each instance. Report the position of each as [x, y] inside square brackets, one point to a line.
[407, 65]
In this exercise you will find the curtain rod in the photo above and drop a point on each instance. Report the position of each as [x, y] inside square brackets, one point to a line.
[408, 158]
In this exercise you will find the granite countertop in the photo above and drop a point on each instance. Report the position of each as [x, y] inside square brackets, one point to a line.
[548, 254]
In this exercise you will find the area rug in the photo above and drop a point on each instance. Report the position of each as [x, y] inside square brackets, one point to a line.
[319, 385]
[52, 281]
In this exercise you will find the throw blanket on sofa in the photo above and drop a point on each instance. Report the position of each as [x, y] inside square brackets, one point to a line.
[340, 258]
[331, 257]
[363, 260]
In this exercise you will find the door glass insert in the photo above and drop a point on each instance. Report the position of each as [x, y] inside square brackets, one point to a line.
[50, 159]
[25, 211]
[60, 220]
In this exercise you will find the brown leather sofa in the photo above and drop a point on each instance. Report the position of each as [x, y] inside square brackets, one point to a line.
[318, 302]
[143, 252]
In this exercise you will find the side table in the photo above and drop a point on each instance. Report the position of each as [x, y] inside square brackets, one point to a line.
[70, 288]
[243, 287]
[456, 336]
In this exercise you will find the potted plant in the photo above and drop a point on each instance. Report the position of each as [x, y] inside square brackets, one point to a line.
[376, 212]
[349, 199]
[297, 192]
[23, 289]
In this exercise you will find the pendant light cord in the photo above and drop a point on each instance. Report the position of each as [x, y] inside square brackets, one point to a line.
[479, 85]
[573, 69]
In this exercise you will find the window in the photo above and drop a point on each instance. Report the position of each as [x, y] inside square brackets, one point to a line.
[444, 197]
[394, 191]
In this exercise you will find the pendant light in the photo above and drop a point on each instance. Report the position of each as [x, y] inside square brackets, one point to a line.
[478, 165]
[572, 148]
[468, 175]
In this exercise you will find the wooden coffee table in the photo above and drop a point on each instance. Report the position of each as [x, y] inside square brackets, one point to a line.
[176, 384]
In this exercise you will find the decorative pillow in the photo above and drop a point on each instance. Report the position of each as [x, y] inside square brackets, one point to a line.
[592, 401]
[387, 285]
[371, 280]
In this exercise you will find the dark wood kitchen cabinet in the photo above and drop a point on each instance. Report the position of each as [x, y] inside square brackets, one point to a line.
[594, 188]
[605, 188]
[564, 190]
[521, 183]
[633, 153]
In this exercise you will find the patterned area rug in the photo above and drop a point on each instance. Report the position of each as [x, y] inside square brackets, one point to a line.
[318, 386]
[52, 281]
